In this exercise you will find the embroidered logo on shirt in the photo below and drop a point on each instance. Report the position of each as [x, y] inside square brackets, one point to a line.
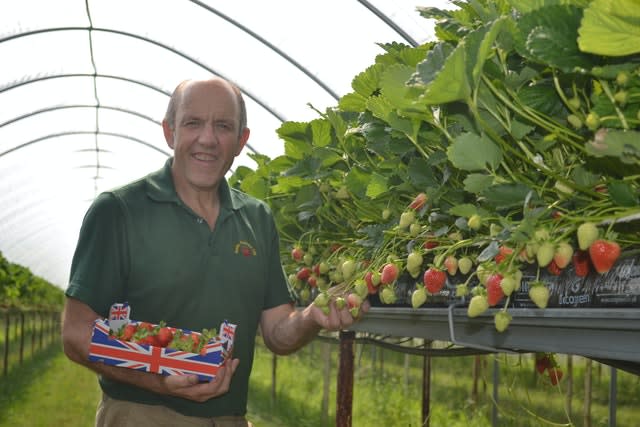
[245, 248]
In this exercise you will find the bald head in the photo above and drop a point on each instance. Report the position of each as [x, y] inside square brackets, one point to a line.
[177, 96]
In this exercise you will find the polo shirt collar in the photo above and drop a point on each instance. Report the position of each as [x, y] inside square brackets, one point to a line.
[160, 187]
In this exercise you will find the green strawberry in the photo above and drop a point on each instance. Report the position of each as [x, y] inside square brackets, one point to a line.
[414, 261]
[407, 218]
[415, 229]
[587, 234]
[418, 297]
[508, 284]
[322, 300]
[360, 287]
[388, 295]
[539, 294]
[474, 222]
[462, 290]
[477, 306]
[465, 264]
[348, 268]
[545, 253]
[502, 320]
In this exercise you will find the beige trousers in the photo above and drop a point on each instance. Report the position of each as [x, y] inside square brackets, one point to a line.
[120, 413]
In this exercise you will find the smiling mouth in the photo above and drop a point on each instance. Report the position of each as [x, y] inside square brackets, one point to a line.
[204, 157]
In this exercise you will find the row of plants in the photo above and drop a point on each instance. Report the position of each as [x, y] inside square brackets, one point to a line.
[509, 143]
[21, 289]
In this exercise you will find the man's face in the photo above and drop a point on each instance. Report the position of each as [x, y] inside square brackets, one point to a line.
[206, 138]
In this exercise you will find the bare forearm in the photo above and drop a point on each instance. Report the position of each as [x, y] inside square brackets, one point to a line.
[292, 332]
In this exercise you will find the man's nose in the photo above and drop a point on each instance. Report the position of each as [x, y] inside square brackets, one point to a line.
[209, 134]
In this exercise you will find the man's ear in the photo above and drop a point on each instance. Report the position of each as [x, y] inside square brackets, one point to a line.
[168, 133]
[242, 141]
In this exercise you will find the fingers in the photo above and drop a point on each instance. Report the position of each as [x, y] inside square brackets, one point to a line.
[338, 319]
[190, 387]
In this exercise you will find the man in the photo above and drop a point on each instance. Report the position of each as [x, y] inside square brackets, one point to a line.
[168, 245]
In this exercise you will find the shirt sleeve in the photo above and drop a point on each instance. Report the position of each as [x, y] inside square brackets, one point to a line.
[100, 261]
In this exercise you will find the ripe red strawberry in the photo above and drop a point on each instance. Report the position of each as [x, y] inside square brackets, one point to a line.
[553, 268]
[312, 281]
[418, 202]
[555, 374]
[494, 290]
[389, 274]
[165, 335]
[604, 253]
[543, 362]
[434, 280]
[297, 254]
[303, 273]
[196, 342]
[145, 325]
[128, 331]
[581, 263]
[368, 279]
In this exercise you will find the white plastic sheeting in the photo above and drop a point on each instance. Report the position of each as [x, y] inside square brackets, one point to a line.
[84, 85]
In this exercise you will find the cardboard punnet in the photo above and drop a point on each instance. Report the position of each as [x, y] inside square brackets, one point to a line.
[107, 349]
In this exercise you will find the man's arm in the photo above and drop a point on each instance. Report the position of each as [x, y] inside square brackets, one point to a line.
[77, 326]
[285, 329]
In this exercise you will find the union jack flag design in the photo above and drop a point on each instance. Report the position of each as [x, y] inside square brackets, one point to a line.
[165, 361]
[119, 311]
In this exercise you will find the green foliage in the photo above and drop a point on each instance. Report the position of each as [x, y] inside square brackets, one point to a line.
[20, 288]
[527, 110]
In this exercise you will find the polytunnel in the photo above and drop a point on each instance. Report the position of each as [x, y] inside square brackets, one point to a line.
[84, 85]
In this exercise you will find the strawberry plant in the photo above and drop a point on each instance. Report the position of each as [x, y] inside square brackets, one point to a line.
[512, 140]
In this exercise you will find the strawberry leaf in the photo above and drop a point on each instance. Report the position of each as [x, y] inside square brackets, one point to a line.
[553, 40]
[504, 196]
[477, 182]
[472, 152]
[610, 27]
[444, 80]
[321, 130]
[377, 185]
[622, 194]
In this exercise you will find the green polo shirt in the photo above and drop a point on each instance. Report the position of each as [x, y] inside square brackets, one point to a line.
[142, 245]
